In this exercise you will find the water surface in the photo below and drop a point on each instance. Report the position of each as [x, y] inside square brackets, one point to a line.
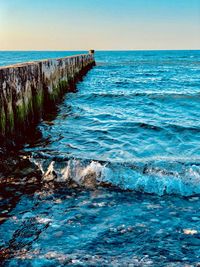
[121, 168]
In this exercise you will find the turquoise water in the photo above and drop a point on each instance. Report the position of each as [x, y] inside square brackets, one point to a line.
[121, 167]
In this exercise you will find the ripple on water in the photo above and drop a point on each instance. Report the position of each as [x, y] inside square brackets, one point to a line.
[119, 169]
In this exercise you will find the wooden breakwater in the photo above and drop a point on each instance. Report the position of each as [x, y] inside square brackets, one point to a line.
[28, 89]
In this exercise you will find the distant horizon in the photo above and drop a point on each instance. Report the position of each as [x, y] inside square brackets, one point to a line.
[101, 50]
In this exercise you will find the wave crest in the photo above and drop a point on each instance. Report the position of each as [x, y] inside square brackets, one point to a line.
[159, 177]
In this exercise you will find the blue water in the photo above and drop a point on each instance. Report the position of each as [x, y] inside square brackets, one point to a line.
[121, 167]
[13, 57]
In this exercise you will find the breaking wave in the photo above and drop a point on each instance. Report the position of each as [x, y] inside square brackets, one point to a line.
[164, 176]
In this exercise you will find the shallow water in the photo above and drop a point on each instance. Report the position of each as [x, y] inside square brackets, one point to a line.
[120, 164]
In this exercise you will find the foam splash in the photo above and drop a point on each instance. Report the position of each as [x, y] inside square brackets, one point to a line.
[155, 178]
[75, 172]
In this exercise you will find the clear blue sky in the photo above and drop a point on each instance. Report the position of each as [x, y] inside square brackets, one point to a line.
[99, 24]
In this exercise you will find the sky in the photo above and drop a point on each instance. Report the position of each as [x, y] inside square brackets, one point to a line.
[99, 24]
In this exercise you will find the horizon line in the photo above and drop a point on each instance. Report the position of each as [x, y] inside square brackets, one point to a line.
[99, 50]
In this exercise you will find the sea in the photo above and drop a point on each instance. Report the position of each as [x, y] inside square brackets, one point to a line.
[120, 164]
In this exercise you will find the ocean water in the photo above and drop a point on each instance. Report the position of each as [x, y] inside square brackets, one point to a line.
[120, 160]
[14, 57]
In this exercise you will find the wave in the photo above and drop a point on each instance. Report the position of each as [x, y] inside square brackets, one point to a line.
[158, 176]
[157, 95]
[173, 127]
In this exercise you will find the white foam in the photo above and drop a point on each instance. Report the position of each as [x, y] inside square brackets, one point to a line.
[183, 181]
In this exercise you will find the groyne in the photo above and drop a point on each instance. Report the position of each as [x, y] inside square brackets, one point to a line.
[27, 90]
